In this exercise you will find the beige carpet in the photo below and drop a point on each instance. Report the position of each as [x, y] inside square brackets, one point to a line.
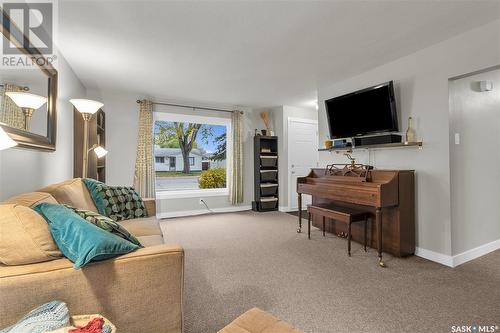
[236, 261]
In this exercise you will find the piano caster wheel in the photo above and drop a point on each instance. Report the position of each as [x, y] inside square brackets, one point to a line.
[299, 230]
[381, 263]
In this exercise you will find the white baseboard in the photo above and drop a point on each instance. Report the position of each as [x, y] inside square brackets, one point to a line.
[476, 252]
[286, 209]
[167, 215]
[461, 258]
[440, 258]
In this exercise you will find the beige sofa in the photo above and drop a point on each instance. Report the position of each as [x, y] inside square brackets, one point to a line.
[138, 292]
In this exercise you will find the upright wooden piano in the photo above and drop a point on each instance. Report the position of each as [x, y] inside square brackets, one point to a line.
[388, 194]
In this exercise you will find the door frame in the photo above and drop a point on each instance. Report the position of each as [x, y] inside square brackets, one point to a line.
[292, 193]
[170, 167]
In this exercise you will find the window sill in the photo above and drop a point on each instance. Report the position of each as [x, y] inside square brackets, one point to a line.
[216, 192]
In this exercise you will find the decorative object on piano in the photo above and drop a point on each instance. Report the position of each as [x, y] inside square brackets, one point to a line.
[411, 134]
[352, 159]
[359, 172]
[267, 122]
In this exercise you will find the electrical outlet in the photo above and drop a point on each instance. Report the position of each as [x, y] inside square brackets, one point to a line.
[201, 202]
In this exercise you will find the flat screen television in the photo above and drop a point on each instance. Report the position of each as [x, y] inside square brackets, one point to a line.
[367, 111]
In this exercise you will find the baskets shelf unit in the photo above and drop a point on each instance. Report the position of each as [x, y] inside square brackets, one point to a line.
[266, 190]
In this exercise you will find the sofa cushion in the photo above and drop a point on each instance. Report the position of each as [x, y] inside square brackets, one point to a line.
[80, 241]
[31, 199]
[152, 240]
[71, 192]
[146, 226]
[24, 236]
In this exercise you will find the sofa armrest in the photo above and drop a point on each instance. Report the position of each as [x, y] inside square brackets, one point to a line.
[150, 204]
[138, 292]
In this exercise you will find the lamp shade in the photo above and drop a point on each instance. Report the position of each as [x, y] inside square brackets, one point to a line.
[5, 140]
[27, 100]
[86, 105]
[100, 151]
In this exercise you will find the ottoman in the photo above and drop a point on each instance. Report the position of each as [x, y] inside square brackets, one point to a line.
[258, 321]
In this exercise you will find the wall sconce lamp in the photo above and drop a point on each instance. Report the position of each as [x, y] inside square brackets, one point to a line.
[28, 103]
[5, 140]
[87, 108]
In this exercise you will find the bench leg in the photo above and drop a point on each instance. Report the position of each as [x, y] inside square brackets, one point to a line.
[366, 224]
[309, 225]
[349, 239]
[378, 219]
[324, 218]
[299, 201]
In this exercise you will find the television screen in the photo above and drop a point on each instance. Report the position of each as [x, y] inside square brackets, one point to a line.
[371, 110]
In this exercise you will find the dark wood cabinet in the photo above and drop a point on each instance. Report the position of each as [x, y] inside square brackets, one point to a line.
[96, 135]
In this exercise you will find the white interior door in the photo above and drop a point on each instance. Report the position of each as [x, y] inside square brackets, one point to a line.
[302, 155]
[475, 161]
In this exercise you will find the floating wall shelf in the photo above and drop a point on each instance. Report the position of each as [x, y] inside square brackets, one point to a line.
[417, 144]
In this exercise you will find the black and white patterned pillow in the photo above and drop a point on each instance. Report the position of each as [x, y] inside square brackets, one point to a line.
[105, 223]
[116, 202]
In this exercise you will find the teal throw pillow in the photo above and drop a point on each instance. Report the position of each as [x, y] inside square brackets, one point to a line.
[105, 223]
[116, 202]
[80, 241]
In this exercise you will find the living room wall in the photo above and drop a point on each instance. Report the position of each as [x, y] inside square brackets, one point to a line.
[421, 81]
[121, 140]
[23, 170]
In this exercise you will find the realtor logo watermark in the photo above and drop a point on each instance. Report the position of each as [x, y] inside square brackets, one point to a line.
[475, 328]
[32, 27]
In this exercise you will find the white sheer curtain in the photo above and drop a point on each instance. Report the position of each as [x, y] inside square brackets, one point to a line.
[144, 177]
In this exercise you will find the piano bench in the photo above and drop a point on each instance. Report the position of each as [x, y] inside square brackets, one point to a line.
[341, 214]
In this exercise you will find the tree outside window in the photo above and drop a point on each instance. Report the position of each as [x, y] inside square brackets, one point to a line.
[197, 155]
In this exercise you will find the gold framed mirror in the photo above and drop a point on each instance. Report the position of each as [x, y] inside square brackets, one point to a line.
[28, 94]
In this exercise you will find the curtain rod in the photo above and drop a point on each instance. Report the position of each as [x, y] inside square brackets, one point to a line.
[23, 88]
[190, 106]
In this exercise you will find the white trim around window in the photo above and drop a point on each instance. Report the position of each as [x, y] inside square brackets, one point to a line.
[173, 194]
[180, 194]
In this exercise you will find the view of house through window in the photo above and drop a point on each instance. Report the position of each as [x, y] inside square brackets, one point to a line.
[189, 156]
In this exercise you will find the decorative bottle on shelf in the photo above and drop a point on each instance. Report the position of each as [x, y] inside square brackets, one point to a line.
[411, 135]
